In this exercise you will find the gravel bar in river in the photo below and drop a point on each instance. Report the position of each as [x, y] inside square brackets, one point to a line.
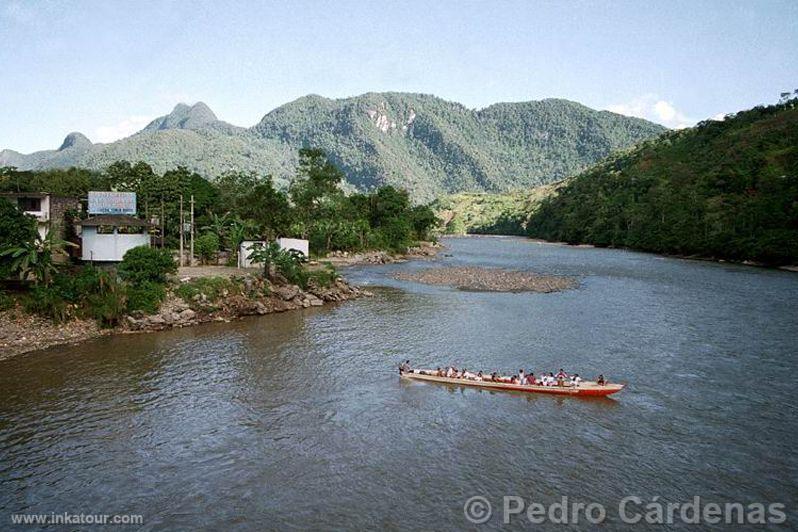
[490, 279]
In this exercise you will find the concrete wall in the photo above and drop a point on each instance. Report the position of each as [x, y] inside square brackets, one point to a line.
[109, 247]
[58, 214]
[284, 243]
[295, 243]
[244, 251]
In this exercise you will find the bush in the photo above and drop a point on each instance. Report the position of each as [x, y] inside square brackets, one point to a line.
[46, 301]
[108, 305]
[214, 288]
[207, 246]
[146, 264]
[322, 278]
[76, 286]
[16, 228]
[146, 297]
[6, 301]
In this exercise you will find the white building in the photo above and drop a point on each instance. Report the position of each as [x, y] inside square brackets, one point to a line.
[50, 211]
[297, 244]
[107, 238]
[245, 249]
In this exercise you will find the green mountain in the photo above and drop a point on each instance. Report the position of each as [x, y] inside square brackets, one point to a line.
[724, 189]
[419, 142]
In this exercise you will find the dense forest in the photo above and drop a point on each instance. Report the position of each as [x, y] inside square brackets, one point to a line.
[241, 205]
[417, 142]
[491, 214]
[724, 189]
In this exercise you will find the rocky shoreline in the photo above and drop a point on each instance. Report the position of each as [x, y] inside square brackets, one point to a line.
[425, 250]
[21, 332]
[268, 298]
[490, 280]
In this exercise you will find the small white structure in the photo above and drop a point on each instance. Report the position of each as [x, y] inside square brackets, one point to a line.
[297, 244]
[245, 249]
[108, 238]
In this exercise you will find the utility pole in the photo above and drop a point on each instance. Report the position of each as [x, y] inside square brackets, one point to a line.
[163, 224]
[182, 228]
[191, 256]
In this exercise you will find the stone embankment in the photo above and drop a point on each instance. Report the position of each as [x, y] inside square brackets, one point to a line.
[21, 332]
[259, 297]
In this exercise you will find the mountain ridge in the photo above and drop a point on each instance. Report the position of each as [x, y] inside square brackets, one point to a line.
[417, 141]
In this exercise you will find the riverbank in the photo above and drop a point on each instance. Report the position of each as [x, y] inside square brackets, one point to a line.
[424, 250]
[225, 294]
[702, 258]
[189, 301]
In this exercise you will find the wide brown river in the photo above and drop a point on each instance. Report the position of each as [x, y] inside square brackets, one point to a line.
[299, 420]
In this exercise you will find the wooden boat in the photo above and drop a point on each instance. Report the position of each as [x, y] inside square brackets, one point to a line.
[585, 388]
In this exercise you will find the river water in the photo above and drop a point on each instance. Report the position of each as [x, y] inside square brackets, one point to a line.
[299, 420]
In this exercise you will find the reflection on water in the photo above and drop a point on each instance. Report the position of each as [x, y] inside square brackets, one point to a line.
[300, 420]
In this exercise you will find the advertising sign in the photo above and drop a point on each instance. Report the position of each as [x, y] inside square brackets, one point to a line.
[112, 203]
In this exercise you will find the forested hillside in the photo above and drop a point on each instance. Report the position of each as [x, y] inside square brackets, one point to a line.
[424, 144]
[724, 189]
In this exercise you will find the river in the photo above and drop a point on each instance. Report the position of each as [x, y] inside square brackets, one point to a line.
[299, 420]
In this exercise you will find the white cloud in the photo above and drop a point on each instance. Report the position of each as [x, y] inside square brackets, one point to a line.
[125, 128]
[652, 107]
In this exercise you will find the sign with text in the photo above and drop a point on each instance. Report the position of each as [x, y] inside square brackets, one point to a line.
[112, 203]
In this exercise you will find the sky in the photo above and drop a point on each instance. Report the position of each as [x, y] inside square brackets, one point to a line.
[107, 68]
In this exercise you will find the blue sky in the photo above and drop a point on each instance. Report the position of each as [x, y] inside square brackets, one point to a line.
[106, 68]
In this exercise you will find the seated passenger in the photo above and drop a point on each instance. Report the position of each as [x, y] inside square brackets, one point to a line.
[530, 379]
[479, 377]
[576, 380]
[601, 380]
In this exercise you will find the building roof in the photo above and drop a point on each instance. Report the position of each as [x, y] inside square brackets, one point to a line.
[115, 220]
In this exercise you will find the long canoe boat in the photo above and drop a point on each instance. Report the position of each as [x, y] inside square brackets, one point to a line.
[585, 389]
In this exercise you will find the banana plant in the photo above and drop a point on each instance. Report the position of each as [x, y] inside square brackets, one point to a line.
[35, 259]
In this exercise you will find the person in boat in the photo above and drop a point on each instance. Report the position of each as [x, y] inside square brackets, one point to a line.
[576, 380]
[530, 379]
[468, 375]
[600, 380]
[404, 367]
[479, 377]
[561, 376]
[550, 381]
[521, 376]
[449, 372]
